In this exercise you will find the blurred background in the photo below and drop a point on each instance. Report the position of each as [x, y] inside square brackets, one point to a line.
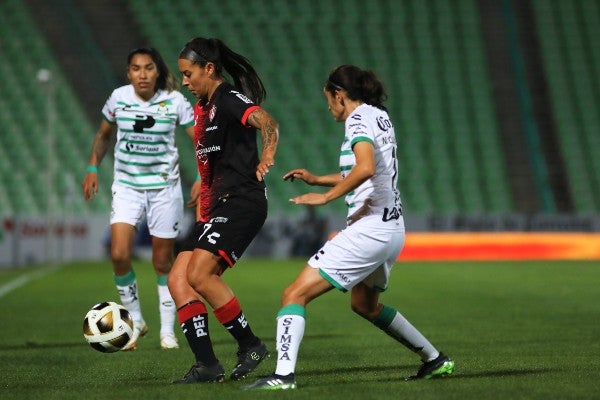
[496, 106]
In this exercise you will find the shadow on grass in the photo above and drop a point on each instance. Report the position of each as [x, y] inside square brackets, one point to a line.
[357, 369]
[504, 372]
[36, 345]
[366, 377]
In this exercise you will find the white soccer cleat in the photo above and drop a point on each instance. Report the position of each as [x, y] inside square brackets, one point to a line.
[168, 341]
[139, 330]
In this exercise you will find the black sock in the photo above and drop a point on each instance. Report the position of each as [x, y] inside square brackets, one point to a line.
[193, 318]
[232, 318]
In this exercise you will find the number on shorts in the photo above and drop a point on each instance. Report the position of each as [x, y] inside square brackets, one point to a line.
[212, 237]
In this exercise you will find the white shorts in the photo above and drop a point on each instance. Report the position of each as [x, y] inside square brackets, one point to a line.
[162, 208]
[362, 252]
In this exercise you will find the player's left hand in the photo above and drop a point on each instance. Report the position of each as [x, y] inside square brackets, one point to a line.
[263, 167]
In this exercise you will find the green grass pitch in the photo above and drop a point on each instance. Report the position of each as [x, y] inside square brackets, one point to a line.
[516, 330]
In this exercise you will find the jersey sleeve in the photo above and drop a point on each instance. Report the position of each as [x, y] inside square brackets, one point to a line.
[358, 129]
[239, 106]
[108, 111]
[185, 112]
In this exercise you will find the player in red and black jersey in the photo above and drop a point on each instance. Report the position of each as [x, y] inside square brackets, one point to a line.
[226, 149]
[233, 204]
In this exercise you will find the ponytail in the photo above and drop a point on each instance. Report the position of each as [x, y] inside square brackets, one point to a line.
[201, 51]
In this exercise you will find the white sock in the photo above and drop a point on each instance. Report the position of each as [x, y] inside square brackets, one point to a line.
[131, 301]
[166, 307]
[290, 330]
[400, 327]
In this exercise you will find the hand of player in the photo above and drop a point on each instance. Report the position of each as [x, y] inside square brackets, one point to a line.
[313, 199]
[90, 185]
[263, 166]
[302, 174]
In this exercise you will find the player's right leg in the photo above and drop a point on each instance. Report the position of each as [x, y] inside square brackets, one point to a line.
[122, 237]
[128, 209]
[290, 328]
[193, 318]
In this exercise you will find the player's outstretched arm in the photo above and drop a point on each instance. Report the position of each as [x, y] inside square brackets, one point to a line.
[311, 179]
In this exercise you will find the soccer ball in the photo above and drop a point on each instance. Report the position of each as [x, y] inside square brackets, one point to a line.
[108, 327]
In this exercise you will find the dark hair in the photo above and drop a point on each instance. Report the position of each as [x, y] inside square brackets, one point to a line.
[201, 51]
[165, 80]
[359, 84]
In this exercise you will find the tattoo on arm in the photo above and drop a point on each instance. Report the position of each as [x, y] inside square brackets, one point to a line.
[100, 147]
[269, 128]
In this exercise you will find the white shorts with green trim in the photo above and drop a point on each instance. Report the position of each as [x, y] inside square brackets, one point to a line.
[162, 208]
[362, 252]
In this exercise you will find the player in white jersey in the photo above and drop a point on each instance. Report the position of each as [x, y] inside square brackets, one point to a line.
[360, 257]
[143, 115]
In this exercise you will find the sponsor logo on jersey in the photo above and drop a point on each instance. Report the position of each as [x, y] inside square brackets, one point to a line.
[384, 123]
[143, 122]
[242, 97]
[142, 148]
[141, 137]
[357, 124]
[342, 276]
[202, 152]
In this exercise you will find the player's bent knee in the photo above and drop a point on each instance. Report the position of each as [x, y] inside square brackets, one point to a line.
[365, 311]
[292, 295]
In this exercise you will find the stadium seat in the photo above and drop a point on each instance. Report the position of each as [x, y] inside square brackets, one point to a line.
[568, 36]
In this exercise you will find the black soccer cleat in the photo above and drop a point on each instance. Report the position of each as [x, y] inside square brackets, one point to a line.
[441, 367]
[200, 373]
[248, 360]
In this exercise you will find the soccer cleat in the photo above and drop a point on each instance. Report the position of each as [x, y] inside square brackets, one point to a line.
[441, 367]
[200, 373]
[248, 360]
[168, 341]
[139, 330]
[273, 382]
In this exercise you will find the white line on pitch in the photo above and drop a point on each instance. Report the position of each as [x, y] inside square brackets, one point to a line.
[22, 280]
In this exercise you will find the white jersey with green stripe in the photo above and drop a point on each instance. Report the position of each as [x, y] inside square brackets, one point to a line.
[146, 156]
[379, 194]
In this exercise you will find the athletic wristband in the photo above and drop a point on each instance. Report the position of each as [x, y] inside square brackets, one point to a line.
[91, 168]
[198, 176]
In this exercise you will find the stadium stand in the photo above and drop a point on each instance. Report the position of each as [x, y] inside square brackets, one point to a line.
[429, 55]
[30, 110]
[569, 36]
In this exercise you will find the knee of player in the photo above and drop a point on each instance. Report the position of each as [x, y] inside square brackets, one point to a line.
[162, 266]
[364, 310]
[292, 295]
[121, 259]
[173, 282]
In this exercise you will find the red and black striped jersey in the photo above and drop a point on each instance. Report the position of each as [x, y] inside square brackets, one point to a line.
[226, 148]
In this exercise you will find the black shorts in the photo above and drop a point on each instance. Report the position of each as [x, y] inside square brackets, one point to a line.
[232, 227]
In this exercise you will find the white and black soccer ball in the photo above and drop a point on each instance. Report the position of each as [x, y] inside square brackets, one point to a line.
[108, 327]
